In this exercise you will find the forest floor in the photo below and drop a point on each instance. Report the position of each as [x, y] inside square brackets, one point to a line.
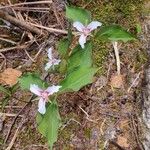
[103, 115]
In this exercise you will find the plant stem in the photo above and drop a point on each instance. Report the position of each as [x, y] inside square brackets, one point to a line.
[117, 56]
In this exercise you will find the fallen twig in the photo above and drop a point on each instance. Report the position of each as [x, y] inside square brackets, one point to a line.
[14, 137]
[33, 9]
[12, 8]
[56, 15]
[32, 59]
[19, 23]
[68, 122]
[52, 30]
[27, 3]
[4, 61]
[9, 115]
[8, 40]
[133, 83]
[13, 48]
[14, 107]
[7, 136]
[87, 115]
[134, 129]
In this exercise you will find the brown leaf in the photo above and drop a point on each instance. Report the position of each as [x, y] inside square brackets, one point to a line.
[122, 141]
[10, 76]
[117, 81]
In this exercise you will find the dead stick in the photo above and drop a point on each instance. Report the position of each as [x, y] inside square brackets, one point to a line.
[12, 48]
[57, 17]
[27, 3]
[19, 23]
[15, 136]
[53, 30]
[29, 102]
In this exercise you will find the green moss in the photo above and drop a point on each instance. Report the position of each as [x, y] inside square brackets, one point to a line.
[141, 58]
[1, 22]
[1, 140]
[69, 130]
[100, 52]
[87, 133]
[125, 12]
[29, 136]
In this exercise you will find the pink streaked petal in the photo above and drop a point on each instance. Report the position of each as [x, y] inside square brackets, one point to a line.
[79, 26]
[35, 89]
[50, 53]
[48, 65]
[57, 61]
[53, 89]
[42, 106]
[82, 40]
[93, 25]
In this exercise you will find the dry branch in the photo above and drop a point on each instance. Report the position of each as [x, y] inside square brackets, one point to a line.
[27, 3]
[53, 30]
[19, 23]
[13, 48]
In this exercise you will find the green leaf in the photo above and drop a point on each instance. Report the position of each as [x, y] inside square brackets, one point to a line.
[30, 78]
[77, 79]
[49, 123]
[114, 33]
[4, 90]
[63, 66]
[63, 47]
[78, 14]
[80, 57]
[5, 101]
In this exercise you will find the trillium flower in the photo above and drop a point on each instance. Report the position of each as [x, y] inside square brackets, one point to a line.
[85, 31]
[52, 61]
[43, 95]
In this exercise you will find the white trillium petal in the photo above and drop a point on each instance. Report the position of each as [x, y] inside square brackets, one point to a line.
[82, 40]
[53, 89]
[57, 61]
[42, 106]
[79, 26]
[48, 65]
[35, 89]
[50, 53]
[93, 25]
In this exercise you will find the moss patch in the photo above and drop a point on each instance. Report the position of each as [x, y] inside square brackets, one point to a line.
[100, 52]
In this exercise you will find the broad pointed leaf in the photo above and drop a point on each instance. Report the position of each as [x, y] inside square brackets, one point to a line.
[30, 78]
[78, 14]
[114, 33]
[49, 123]
[77, 79]
[80, 57]
[63, 47]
